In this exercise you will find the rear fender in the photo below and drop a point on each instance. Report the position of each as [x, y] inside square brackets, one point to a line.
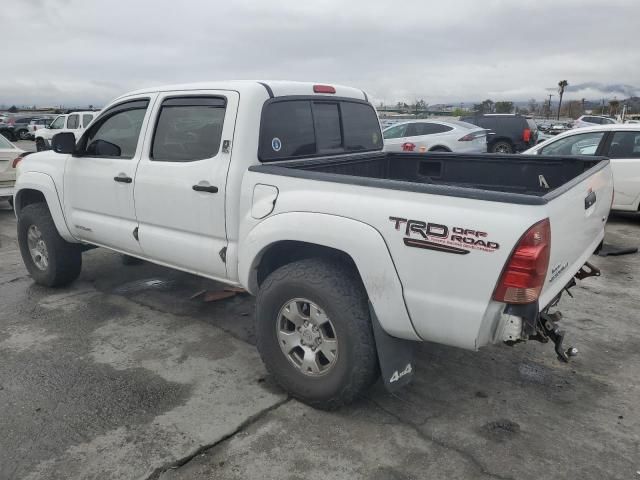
[43, 183]
[360, 241]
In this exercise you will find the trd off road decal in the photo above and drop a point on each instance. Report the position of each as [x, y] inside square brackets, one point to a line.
[442, 238]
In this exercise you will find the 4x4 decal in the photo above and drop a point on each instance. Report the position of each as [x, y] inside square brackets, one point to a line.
[442, 238]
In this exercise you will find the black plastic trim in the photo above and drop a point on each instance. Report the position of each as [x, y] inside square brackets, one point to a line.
[290, 168]
[268, 88]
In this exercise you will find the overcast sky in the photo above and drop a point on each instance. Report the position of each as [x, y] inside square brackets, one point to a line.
[80, 52]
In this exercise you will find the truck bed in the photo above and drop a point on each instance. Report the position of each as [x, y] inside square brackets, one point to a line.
[521, 179]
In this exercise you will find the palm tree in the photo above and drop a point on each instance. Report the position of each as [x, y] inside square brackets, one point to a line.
[562, 84]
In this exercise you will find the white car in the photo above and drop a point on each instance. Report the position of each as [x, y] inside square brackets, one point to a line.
[38, 123]
[592, 121]
[8, 153]
[75, 122]
[619, 142]
[435, 136]
[283, 189]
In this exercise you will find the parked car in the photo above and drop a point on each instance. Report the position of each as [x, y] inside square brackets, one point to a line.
[592, 120]
[435, 136]
[509, 133]
[37, 123]
[283, 189]
[619, 142]
[16, 127]
[75, 123]
[8, 154]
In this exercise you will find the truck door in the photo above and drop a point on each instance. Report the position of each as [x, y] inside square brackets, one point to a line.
[98, 179]
[180, 184]
[624, 152]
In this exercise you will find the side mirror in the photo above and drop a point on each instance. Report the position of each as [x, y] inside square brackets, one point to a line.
[64, 142]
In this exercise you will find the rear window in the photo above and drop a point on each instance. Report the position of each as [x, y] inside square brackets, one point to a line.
[300, 128]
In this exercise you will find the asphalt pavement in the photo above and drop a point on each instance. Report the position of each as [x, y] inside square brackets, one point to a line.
[130, 373]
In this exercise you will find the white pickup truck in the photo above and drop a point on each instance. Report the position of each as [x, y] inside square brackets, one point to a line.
[354, 254]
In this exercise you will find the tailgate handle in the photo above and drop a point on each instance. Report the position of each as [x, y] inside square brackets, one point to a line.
[589, 200]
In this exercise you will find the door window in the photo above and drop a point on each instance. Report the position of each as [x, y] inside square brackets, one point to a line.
[73, 121]
[582, 144]
[625, 145]
[86, 119]
[57, 124]
[115, 134]
[396, 132]
[188, 129]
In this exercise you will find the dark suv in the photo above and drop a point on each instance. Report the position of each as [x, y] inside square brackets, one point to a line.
[509, 133]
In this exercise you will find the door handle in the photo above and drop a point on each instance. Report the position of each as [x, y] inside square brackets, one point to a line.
[123, 178]
[205, 188]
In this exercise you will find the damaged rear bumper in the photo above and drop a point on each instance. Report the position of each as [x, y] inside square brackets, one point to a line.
[519, 323]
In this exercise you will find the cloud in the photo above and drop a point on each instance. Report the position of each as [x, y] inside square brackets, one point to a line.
[87, 52]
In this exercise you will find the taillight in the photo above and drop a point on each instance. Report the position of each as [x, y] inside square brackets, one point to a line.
[408, 147]
[18, 159]
[323, 89]
[526, 134]
[467, 138]
[523, 275]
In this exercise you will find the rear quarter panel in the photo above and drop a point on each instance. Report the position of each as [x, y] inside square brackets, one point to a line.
[447, 295]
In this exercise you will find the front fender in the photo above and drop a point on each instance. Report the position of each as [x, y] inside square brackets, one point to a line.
[44, 184]
[360, 241]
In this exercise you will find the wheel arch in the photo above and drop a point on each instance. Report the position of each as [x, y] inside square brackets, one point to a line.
[440, 147]
[36, 187]
[283, 238]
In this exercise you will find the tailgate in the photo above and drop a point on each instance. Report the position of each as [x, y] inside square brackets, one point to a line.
[578, 213]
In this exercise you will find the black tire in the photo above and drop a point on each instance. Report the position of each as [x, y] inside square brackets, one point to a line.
[8, 135]
[40, 145]
[23, 134]
[439, 149]
[64, 258]
[338, 291]
[502, 146]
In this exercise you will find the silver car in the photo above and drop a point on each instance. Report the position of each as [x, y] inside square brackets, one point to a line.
[592, 121]
[435, 136]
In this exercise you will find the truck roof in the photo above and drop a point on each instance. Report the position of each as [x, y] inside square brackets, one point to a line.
[274, 88]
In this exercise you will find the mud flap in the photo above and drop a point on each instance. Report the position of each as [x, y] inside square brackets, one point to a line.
[395, 356]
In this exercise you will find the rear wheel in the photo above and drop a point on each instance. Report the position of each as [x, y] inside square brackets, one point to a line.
[40, 146]
[502, 146]
[314, 332]
[439, 149]
[23, 134]
[51, 260]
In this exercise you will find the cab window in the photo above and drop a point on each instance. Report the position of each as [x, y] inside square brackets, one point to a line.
[73, 121]
[58, 123]
[115, 134]
[625, 145]
[188, 129]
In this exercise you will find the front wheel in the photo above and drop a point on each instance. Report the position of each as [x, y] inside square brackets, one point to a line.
[40, 146]
[51, 260]
[314, 332]
[23, 134]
